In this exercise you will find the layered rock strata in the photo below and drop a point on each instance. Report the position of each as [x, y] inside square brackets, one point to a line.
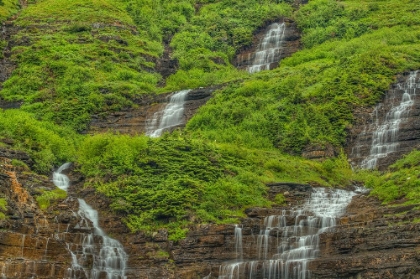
[370, 241]
[29, 245]
[134, 120]
[399, 130]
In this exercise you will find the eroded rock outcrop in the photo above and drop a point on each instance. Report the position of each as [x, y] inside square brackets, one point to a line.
[28, 246]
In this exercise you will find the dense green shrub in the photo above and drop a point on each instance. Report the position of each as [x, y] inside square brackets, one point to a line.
[3, 208]
[47, 144]
[82, 58]
[8, 8]
[47, 197]
[175, 180]
[310, 98]
[401, 181]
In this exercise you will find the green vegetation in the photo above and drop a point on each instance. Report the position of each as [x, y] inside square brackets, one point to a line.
[79, 58]
[20, 164]
[47, 197]
[8, 8]
[208, 43]
[176, 180]
[309, 99]
[401, 181]
[86, 58]
[280, 199]
[82, 59]
[3, 208]
[46, 143]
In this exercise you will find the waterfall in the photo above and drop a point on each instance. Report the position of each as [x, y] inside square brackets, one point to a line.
[385, 131]
[238, 242]
[106, 257]
[269, 49]
[171, 116]
[60, 180]
[288, 242]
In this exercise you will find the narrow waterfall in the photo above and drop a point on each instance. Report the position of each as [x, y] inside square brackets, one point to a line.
[60, 180]
[385, 130]
[269, 49]
[288, 242]
[98, 255]
[171, 116]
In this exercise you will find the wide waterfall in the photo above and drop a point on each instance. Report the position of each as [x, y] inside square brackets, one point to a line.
[171, 116]
[385, 130]
[98, 255]
[269, 49]
[288, 242]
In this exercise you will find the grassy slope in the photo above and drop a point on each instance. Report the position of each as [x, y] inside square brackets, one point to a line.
[8, 8]
[400, 183]
[352, 52]
[89, 57]
[178, 180]
[83, 57]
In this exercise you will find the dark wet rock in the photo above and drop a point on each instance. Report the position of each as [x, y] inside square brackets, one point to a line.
[408, 138]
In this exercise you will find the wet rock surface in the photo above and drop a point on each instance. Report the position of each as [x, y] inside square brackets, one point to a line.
[359, 142]
[371, 241]
[134, 120]
[291, 44]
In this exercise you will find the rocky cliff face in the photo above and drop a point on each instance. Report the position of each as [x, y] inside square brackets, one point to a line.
[371, 241]
[29, 245]
[134, 120]
[374, 127]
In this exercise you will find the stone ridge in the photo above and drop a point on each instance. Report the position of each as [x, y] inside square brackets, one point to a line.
[360, 135]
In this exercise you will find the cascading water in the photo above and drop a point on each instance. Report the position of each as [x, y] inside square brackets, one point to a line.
[171, 116]
[106, 258]
[385, 131]
[269, 50]
[284, 248]
[60, 180]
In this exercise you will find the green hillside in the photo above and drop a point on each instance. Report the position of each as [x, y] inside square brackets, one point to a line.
[79, 58]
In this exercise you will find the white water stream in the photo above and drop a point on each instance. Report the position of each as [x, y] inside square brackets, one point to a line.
[269, 49]
[98, 255]
[171, 116]
[285, 248]
[385, 131]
